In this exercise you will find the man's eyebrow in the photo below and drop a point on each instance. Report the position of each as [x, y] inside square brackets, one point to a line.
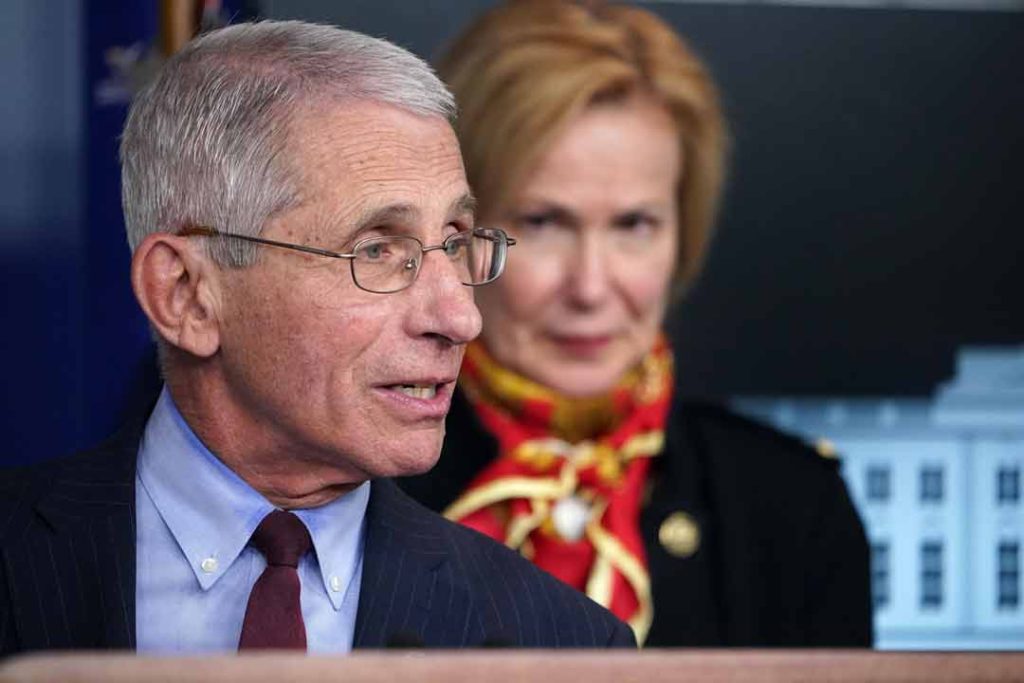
[387, 215]
[463, 205]
[404, 213]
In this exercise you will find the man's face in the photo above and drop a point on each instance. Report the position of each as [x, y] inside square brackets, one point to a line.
[344, 383]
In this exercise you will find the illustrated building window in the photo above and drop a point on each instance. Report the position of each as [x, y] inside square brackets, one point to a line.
[1008, 577]
[878, 483]
[1008, 485]
[880, 574]
[931, 484]
[931, 575]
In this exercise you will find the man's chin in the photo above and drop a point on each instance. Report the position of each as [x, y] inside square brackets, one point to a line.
[408, 462]
[419, 468]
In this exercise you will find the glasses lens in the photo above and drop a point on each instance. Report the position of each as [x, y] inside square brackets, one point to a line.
[471, 255]
[386, 264]
[486, 255]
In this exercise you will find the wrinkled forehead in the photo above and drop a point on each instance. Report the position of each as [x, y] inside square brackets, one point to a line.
[352, 158]
[370, 137]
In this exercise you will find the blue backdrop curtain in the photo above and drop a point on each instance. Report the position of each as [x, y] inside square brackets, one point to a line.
[77, 350]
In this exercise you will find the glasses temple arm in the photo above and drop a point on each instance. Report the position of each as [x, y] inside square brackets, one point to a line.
[202, 231]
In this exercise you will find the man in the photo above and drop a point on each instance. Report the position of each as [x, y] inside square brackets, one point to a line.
[302, 237]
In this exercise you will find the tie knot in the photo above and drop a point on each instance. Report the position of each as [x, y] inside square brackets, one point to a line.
[282, 538]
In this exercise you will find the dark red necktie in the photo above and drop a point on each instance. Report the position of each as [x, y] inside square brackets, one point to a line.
[273, 617]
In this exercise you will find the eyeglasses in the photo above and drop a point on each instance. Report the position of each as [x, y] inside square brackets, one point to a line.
[384, 265]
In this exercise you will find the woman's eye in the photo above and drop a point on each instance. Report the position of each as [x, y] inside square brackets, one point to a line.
[637, 224]
[537, 221]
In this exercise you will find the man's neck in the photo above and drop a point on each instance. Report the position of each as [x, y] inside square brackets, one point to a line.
[250, 448]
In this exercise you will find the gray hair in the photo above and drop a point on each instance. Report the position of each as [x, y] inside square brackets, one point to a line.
[205, 142]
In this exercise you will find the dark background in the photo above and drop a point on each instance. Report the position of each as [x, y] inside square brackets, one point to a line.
[870, 228]
[871, 225]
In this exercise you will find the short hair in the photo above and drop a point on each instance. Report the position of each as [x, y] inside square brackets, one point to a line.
[523, 70]
[206, 142]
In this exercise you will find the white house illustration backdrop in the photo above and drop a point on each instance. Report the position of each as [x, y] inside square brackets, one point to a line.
[938, 484]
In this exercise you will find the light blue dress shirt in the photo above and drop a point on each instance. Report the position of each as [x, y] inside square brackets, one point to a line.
[194, 569]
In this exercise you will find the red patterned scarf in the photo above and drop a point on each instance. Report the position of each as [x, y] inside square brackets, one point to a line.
[566, 487]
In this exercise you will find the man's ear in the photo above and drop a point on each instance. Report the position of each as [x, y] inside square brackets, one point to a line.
[177, 288]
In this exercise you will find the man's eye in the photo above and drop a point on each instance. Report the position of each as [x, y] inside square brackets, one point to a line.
[374, 252]
[454, 246]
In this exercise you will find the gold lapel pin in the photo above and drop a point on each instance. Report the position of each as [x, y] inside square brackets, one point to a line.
[679, 535]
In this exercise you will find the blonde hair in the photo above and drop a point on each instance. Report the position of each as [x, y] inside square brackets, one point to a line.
[523, 70]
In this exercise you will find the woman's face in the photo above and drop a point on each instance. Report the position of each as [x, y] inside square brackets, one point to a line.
[585, 290]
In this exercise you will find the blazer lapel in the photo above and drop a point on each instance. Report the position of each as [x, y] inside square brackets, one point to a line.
[407, 596]
[73, 580]
[738, 572]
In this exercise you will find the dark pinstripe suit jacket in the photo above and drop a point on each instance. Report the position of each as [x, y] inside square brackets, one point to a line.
[67, 569]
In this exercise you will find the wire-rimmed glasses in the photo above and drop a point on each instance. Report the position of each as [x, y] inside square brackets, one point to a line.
[388, 264]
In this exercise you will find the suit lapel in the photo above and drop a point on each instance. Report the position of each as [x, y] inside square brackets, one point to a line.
[407, 595]
[72, 575]
[79, 573]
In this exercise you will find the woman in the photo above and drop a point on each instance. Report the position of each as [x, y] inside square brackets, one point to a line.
[594, 136]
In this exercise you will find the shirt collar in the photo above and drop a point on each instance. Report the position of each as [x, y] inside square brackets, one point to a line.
[337, 530]
[212, 512]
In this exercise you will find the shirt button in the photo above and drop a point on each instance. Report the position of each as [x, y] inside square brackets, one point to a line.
[209, 565]
[335, 584]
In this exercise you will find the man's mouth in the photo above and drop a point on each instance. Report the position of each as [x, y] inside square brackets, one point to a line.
[422, 391]
[420, 398]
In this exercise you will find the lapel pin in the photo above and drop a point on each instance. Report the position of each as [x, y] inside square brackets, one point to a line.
[679, 535]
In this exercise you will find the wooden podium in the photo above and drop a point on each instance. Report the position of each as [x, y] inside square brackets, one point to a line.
[548, 666]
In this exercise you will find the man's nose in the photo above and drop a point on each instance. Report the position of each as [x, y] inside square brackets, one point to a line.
[445, 307]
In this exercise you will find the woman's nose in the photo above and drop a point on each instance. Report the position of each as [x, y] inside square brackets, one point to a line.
[589, 278]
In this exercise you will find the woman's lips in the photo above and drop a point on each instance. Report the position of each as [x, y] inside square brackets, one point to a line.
[582, 345]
